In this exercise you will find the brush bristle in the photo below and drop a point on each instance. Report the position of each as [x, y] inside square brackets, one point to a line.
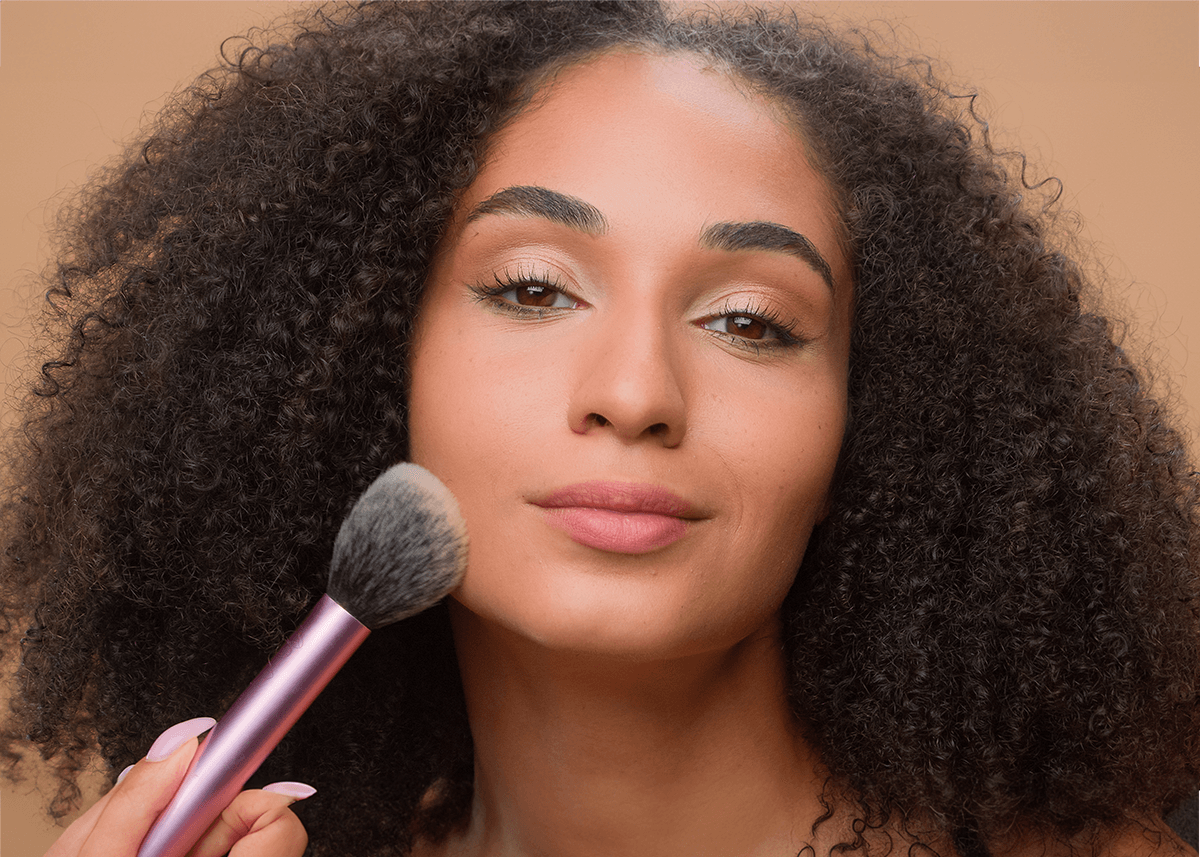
[402, 548]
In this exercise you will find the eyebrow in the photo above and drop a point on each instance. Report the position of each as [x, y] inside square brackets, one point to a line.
[570, 211]
[527, 200]
[762, 235]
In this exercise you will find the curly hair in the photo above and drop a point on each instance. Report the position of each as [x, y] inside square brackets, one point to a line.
[998, 620]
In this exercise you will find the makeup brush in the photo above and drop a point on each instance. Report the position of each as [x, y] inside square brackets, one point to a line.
[401, 549]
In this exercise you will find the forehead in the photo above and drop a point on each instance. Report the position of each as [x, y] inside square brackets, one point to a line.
[662, 145]
[665, 139]
[677, 103]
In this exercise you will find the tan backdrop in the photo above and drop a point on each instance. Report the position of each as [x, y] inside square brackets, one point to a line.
[1106, 96]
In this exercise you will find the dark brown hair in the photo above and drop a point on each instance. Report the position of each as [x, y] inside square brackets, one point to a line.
[998, 620]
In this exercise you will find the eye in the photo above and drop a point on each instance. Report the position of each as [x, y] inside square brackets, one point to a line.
[524, 294]
[537, 295]
[754, 329]
[745, 326]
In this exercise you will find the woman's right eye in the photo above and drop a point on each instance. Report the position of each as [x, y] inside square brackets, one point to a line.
[525, 297]
[538, 295]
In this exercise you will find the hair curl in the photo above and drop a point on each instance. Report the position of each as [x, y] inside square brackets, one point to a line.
[998, 619]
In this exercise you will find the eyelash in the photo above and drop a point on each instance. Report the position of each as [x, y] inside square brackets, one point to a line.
[786, 335]
[785, 332]
[507, 281]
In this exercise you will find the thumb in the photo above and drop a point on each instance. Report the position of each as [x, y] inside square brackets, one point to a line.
[258, 824]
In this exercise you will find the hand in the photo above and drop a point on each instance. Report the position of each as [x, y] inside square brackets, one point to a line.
[257, 823]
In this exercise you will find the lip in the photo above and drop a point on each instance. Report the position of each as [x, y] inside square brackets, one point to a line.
[619, 517]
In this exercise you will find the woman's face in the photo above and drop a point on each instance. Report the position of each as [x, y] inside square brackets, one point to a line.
[630, 364]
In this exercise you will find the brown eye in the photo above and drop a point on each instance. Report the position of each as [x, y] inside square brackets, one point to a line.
[532, 297]
[535, 295]
[747, 327]
[751, 329]
[743, 327]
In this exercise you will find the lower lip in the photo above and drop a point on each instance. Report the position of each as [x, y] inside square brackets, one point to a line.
[617, 532]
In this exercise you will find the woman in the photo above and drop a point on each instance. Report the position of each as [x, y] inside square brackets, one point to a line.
[809, 509]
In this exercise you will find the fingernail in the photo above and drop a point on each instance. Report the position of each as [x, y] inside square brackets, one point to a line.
[174, 738]
[123, 774]
[296, 791]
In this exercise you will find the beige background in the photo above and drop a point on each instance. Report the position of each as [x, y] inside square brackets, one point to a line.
[1104, 95]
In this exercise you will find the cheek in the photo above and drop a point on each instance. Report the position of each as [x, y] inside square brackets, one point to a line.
[451, 413]
[783, 444]
[442, 406]
[475, 420]
[782, 465]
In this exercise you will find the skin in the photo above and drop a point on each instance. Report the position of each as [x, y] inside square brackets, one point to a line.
[624, 701]
[622, 383]
[632, 702]
[256, 824]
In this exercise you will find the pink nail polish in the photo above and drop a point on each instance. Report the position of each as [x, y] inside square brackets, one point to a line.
[174, 738]
[123, 774]
[296, 791]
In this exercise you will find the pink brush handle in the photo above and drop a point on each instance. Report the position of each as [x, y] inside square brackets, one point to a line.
[254, 724]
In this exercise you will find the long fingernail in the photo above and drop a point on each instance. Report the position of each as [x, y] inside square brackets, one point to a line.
[296, 791]
[174, 738]
[123, 774]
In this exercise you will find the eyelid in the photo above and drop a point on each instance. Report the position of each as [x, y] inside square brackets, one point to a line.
[785, 329]
[507, 280]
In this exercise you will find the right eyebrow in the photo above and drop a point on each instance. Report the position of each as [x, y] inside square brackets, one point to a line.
[534, 201]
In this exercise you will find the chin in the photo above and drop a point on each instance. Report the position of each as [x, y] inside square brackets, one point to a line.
[619, 625]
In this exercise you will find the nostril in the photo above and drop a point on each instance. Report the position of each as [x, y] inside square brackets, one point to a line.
[594, 420]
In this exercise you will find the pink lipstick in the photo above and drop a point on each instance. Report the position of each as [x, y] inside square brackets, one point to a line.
[618, 517]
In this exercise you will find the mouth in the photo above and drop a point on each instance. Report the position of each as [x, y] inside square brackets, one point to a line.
[619, 517]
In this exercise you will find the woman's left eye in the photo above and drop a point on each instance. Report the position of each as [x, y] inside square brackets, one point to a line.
[751, 330]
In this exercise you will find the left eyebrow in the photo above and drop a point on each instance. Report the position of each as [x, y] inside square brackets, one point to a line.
[772, 237]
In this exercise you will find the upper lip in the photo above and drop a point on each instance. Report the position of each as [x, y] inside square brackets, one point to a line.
[619, 497]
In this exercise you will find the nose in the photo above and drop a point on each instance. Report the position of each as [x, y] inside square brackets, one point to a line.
[628, 382]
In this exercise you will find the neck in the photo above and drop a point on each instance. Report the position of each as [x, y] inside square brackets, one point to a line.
[585, 755]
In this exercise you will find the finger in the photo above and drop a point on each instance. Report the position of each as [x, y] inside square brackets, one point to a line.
[258, 824]
[121, 819]
[71, 841]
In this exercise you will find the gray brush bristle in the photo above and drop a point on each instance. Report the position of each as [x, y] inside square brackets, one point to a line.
[401, 549]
